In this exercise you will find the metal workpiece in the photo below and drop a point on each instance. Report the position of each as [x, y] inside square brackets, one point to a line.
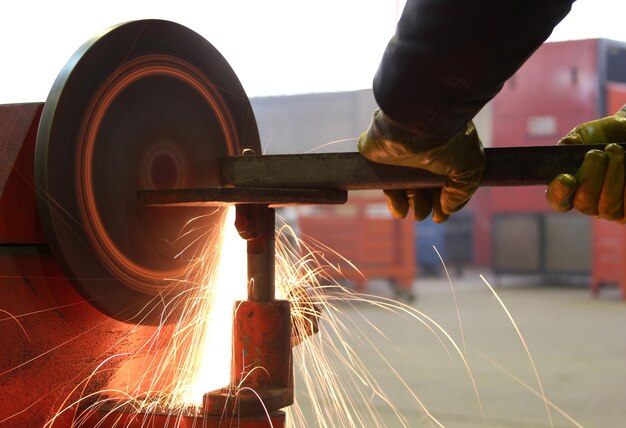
[241, 196]
[325, 178]
[505, 166]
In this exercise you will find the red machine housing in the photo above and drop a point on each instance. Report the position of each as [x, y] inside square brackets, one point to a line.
[53, 341]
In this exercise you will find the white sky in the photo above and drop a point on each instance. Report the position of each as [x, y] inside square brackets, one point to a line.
[274, 46]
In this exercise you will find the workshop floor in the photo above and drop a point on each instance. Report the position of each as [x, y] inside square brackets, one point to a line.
[578, 344]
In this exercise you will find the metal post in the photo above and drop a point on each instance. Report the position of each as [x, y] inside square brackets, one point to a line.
[261, 369]
[256, 224]
[261, 262]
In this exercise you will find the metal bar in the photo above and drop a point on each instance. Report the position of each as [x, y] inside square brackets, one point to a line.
[232, 195]
[506, 166]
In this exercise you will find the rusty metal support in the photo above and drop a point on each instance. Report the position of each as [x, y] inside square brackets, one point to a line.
[256, 224]
[261, 377]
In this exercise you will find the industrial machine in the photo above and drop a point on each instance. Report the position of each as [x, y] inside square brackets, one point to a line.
[89, 273]
[146, 127]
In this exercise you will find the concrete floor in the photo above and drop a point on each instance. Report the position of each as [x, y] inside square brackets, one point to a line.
[578, 344]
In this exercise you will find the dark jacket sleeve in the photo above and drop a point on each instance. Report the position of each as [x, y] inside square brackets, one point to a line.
[448, 58]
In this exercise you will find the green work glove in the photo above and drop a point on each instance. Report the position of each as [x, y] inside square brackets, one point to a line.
[461, 159]
[598, 187]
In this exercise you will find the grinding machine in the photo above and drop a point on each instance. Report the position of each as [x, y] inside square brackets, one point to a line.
[146, 127]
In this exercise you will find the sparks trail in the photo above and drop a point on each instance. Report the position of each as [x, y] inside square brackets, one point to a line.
[338, 401]
[331, 143]
[523, 342]
[177, 373]
[196, 358]
[266, 147]
[538, 394]
[182, 361]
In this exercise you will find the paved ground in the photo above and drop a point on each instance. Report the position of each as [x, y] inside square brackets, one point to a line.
[578, 344]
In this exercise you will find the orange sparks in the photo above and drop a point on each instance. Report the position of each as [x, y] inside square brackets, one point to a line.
[208, 365]
[338, 387]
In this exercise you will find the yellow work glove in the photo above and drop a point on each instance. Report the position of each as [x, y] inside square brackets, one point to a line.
[598, 187]
[461, 159]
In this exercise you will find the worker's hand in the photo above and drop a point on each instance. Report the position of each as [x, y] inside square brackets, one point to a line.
[461, 159]
[598, 187]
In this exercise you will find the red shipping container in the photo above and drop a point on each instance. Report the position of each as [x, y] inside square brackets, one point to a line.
[562, 85]
[609, 239]
[363, 233]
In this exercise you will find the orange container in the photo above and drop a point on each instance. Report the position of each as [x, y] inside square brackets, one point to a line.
[363, 233]
[608, 256]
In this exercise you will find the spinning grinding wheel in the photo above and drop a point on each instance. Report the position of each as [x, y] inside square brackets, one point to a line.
[145, 105]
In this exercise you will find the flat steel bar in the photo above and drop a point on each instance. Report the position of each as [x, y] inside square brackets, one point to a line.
[506, 166]
[222, 195]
